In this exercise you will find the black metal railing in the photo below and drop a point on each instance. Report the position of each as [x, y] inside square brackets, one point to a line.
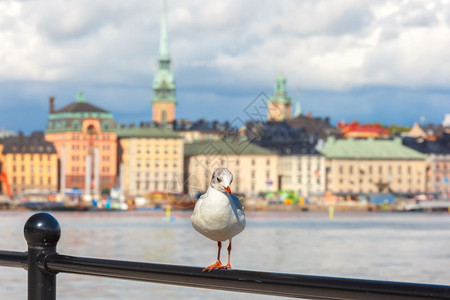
[42, 232]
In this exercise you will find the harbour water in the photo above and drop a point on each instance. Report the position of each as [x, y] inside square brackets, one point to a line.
[409, 247]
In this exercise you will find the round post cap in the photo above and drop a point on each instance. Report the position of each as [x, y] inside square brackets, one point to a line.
[42, 229]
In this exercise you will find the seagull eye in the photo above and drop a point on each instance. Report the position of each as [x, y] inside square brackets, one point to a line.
[219, 180]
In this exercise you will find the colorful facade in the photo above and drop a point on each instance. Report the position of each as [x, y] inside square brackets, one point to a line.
[356, 130]
[29, 162]
[86, 142]
[152, 160]
[373, 166]
[255, 169]
[302, 173]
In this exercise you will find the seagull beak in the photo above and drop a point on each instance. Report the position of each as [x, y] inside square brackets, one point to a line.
[228, 190]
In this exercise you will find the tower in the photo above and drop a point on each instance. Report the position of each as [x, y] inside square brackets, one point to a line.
[164, 100]
[280, 106]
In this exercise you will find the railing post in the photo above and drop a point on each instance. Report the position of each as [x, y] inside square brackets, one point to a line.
[42, 232]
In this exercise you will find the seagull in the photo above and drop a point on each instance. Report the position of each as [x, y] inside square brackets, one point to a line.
[218, 214]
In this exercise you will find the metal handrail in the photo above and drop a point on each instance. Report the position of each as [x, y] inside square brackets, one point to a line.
[42, 263]
[13, 259]
[275, 284]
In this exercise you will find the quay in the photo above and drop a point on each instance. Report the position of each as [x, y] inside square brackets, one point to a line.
[42, 263]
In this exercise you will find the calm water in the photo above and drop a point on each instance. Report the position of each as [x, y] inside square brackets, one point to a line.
[411, 247]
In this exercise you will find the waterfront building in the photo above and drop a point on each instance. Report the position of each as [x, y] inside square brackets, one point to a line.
[315, 125]
[438, 167]
[86, 142]
[255, 169]
[301, 167]
[280, 106]
[356, 130]
[303, 173]
[164, 100]
[152, 160]
[371, 166]
[29, 162]
[200, 130]
[429, 131]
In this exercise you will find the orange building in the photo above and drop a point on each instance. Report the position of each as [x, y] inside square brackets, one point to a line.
[85, 139]
[356, 130]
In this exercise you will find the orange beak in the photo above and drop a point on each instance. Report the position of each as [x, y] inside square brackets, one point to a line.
[228, 190]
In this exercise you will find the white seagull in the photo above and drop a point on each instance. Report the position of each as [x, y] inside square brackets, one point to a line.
[218, 214]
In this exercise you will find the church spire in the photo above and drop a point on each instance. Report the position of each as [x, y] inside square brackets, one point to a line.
[164, 99]
[164, 38]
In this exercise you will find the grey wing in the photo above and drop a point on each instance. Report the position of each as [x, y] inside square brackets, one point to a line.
[237, 202]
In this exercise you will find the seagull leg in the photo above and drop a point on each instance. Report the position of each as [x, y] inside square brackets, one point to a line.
[217, 264]
[228, 266]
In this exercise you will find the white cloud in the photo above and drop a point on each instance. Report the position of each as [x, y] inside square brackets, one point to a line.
[318, 44]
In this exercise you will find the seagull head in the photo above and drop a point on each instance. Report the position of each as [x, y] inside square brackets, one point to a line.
[221, 180]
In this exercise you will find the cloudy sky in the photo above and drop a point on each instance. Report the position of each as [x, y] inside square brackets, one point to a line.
[386, 61]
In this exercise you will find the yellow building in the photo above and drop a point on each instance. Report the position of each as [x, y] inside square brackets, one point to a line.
[255, 169]
[152, 160]
[30, 163]
[373, 166]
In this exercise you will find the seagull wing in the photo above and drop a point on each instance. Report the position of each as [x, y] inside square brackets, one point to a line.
[237, 202]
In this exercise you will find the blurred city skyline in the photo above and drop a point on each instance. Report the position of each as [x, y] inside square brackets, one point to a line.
[349, 60]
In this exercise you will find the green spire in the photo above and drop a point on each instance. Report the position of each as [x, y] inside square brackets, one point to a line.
[164, 38]
[80, 97]
[164, 80]
[281, 90]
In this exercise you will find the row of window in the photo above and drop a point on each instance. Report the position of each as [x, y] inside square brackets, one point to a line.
[147, 164]
[41, 157]
[353, 181]
[156, 185]
[370, 169]
[83, 169]
[33, 180]
[97, 137]
[157, 150]
[81, 179]
[39, 169]
[78, 147]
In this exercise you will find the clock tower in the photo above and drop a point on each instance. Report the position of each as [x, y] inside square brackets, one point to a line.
[164, 100]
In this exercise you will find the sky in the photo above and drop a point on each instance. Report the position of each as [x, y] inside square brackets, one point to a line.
[371, 61]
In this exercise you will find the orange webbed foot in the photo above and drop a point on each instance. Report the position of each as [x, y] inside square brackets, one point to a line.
[216, 265]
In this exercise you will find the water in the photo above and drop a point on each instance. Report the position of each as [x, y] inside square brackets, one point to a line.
[411, 247]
